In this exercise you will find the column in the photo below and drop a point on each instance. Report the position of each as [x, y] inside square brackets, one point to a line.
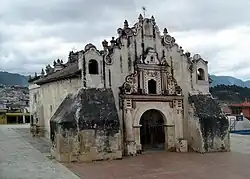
[178, 108]
[137, 137]
[23, 115]
[181, 143]
[129, 125]
[179, 124]
[130, 139]
[170, 137]
[24, 118]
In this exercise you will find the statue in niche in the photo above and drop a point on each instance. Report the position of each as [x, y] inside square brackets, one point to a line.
[151, 57]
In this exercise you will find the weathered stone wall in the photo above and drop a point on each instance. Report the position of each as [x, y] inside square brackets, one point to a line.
[119, 61]
[34, 89]
[147, 32]
[209, 127]
[52, 94]
[87, 145]
[116, 62]
[86, 127]
[34, 101]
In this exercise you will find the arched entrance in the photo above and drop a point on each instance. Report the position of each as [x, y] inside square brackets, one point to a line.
[152, 134]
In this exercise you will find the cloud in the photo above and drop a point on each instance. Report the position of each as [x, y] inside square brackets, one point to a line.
[34, 33]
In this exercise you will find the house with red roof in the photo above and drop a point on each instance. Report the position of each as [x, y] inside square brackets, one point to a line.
[244, 108]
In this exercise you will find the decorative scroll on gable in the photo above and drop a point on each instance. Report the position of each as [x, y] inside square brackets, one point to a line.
[172, 87]
[167, 40]
[130, 86]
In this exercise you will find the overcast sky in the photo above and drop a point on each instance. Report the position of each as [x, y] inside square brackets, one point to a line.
[34, 33]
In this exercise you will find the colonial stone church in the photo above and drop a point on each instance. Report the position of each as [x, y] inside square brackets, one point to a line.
[141, 92]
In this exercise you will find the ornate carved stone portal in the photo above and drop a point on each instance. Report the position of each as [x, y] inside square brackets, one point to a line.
[146, 125]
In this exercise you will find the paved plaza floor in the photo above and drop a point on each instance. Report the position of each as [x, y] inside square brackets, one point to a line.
[164, 165]
[25, 157]
[21, 159]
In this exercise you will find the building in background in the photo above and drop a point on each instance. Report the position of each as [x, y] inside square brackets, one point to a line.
[15, 115]
[14, 105]
[244, 108]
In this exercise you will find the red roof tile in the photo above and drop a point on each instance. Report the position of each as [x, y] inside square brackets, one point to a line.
[245, 104]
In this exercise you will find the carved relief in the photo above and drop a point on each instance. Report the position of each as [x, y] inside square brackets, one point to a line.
[108, 59]
[130, 86]
[173, 87]
[108, 51]
[155, 75]
[178, 105]
[137, 28]
[151, 77]
[151, 57]
[128, 104]
[167, 40]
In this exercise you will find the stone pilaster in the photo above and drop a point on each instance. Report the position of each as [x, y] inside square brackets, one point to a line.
[129, 127]
[181, 143]
[170, 137]
[130, 139]
[178, 119]
[137, 138]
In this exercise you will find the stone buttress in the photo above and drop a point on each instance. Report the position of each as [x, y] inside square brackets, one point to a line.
[85, 127]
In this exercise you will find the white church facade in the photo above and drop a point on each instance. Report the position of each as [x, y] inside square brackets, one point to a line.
[157, 90]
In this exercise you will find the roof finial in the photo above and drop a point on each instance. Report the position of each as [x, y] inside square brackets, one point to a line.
[140, 18]
[42, 72]
[125, 24]
[144, 11]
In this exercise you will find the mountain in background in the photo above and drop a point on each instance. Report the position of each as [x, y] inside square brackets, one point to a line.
[11, 79]
[228, 80]
[228, 94]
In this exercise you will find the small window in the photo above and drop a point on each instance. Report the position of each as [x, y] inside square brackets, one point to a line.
[93, 67]
[35, 98]
[152, 86]
[200, 74]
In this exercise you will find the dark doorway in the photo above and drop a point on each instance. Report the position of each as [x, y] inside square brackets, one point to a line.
[152, 86]
[152, 130]
[12, 120]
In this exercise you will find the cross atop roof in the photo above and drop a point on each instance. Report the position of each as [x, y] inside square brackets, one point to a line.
[144, 10]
